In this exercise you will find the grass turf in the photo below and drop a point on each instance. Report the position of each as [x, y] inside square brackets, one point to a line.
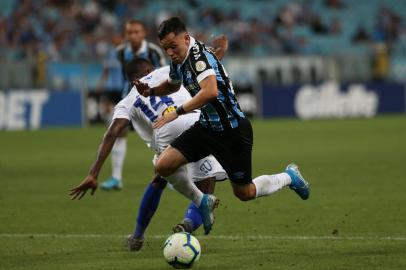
[356, 169]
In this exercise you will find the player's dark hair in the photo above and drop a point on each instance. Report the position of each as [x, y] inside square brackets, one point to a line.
[134, 21]
[137, 68]
[172, 25]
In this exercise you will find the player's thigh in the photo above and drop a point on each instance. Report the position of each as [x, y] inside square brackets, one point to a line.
[194, 143]
[239, 156]
[169, 161]
[236, 159]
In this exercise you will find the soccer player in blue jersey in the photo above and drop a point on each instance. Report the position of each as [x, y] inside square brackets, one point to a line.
[223, 130]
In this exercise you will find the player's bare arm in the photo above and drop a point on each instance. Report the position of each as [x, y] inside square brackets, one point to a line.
[90, 181]
[207, 94]
[165, 88]
[220, 45]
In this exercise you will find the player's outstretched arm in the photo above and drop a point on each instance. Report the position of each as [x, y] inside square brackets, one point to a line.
[165, 88]
[109, 138]
[207, 94]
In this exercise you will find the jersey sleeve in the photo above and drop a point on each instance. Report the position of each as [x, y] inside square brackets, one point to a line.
[175, 76]
[199, 63]
[157, 76]
[123, 108]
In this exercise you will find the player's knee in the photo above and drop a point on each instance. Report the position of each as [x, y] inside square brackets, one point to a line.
[163, 169]
[244, 194]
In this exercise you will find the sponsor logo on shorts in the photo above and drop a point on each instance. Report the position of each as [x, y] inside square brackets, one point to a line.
[238, 175]
[206, 167]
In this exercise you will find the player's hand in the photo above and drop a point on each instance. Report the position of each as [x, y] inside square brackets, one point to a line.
[79, 191]
[142, 88]
[161, 121]
[220, 42]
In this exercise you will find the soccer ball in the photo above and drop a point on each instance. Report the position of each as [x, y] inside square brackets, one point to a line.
[181, 250]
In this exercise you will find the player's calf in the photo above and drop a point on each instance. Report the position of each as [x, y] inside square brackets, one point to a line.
[244, 192]
[159, 182]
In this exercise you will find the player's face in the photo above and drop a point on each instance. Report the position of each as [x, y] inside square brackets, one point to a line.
[176, 46]
[135, 34]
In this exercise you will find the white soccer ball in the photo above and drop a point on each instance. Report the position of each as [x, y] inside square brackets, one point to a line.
[181, 250]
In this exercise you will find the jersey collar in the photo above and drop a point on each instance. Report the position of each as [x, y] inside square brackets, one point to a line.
[192, 42]
[142, 49]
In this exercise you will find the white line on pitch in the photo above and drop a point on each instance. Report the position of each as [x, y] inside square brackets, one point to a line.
[222, 237]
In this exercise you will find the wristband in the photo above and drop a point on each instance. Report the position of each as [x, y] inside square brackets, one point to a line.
[180, 110]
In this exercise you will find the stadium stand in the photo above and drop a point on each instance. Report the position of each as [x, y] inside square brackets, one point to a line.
[81, 29]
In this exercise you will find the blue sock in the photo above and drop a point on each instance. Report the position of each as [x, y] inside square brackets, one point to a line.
[149, 204]
[193, 216]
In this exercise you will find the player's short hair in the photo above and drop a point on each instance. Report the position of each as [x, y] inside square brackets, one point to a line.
[136, 67]
[172, 25]
[135, 21]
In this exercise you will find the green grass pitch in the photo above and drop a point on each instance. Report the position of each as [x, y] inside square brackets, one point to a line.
[355, 217]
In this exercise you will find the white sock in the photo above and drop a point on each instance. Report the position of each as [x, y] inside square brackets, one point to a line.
[268, 184]
[117, 157]
[181, 182]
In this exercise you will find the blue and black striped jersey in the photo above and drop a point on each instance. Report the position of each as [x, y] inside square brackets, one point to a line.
[222, 113]
[147, 51]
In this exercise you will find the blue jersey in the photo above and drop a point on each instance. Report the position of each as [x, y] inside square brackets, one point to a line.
[222, 113]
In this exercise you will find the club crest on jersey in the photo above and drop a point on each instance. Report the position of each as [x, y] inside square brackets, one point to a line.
[200, 65]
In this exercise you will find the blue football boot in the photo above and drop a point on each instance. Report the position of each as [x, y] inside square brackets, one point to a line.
[112, 184]
[206, 208]
[299, 184]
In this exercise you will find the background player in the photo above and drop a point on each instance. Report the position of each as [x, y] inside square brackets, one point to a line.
[136, 46]
[223, 130]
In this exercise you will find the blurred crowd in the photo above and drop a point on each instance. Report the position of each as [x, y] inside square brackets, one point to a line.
[72, 30]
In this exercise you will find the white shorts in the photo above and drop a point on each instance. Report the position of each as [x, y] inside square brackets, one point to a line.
[163, 136]
[205, 168]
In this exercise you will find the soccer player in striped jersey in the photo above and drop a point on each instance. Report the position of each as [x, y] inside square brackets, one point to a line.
[222, 130]
[142, 112]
